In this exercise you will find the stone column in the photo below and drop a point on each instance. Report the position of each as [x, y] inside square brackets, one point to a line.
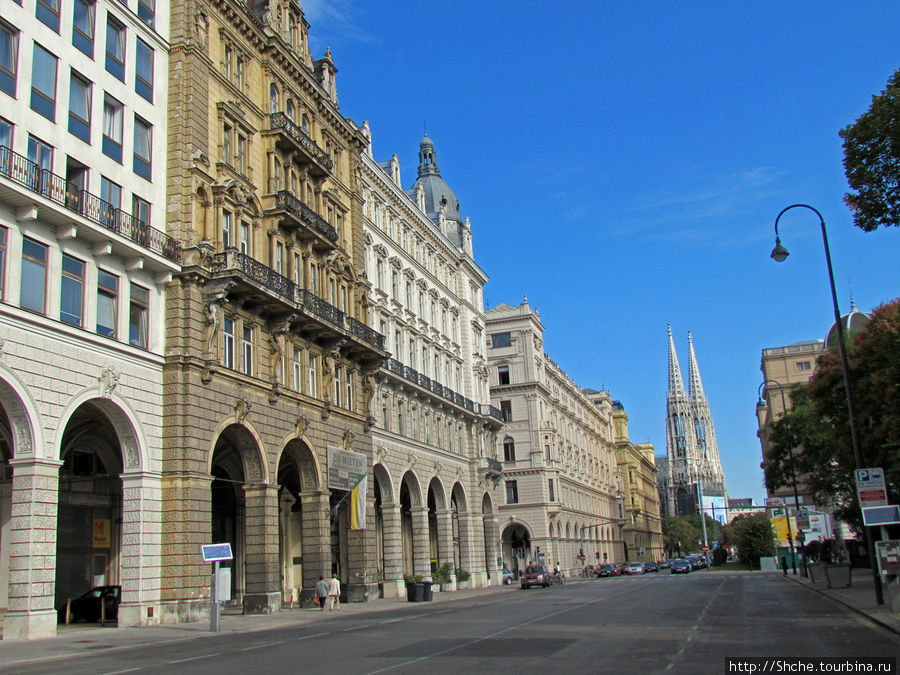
[361, 564]
[393, 551]
[32, 550]
[445, 543]
[316, 517]
[421, 543]
[261, 563]
[491, 547]
[467, 559]
[139, 564]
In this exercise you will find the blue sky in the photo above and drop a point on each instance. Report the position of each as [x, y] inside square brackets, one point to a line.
[623, 163]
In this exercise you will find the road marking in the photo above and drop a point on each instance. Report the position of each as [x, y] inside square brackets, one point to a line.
[365, 625]
[310, 637]
[117, 672]
[196, 658]
[268, 644]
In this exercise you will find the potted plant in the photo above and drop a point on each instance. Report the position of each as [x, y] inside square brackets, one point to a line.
[462, 578]
[443, 575]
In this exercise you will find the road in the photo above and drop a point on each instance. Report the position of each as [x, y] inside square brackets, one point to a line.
[658, 623]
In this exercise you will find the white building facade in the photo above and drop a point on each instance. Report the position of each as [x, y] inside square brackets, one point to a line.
[563, 488]
[84, 262]
[436, 476]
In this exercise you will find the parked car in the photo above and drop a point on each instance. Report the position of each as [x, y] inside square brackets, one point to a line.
[665, 564]
[535, 575]
[651, 567]
[507, 577]
[608, 571]
[87, 607]
[696, 561]
[634, 568]
[680, 566]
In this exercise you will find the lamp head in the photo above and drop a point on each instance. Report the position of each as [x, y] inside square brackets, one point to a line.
[779, 253]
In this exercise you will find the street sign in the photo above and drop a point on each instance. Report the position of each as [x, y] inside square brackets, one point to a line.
[870, 487]
[215, 552]
[802, 519]
[706, 549]
[881, 515]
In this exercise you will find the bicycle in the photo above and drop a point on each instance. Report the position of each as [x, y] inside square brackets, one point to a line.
[558, 578]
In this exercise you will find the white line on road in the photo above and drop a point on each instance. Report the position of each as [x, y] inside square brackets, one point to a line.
[118, 672]
[365, 625]
[268, 644]
[196, 658]
[309, 637]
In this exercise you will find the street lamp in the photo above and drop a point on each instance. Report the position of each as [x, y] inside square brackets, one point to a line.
[762, 404]
[780, 254]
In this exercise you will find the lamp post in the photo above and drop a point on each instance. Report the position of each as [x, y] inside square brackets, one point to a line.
[762, 403]
[780, 254]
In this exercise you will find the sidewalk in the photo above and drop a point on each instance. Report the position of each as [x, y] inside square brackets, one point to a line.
[860, 596]
[89, 638]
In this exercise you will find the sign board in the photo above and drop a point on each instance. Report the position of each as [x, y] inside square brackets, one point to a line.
[102, 533]
[870, 487]
[345, 468]
[881, 515]
[214, 552]
[802, 519]
[887, 553]
[772, 502]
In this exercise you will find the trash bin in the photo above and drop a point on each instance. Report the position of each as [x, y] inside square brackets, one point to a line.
[838, 576]
[414, 591]
[427, 594]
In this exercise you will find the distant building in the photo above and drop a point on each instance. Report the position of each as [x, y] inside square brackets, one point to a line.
[643, 526]
[559, 456]
[693, 465]
[741, 506]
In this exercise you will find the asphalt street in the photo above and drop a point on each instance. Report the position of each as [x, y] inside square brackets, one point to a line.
[657, 623]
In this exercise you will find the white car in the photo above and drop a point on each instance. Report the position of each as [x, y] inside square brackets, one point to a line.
[634, 568]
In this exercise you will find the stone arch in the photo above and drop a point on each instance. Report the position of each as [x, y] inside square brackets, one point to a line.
[516, 546]
[440, 545]
[24, 420]
[249, 444]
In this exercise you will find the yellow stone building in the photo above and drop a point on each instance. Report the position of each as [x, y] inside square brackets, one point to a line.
[643, 527]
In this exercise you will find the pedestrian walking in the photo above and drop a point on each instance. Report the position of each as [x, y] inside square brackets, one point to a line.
[784, 564]
[322, 592]
[334, 593]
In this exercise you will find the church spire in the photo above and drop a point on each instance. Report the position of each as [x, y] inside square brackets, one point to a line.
[676, 384]
[694, 381]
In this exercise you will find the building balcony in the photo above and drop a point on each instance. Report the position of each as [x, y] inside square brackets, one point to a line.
[64, 200]
[294, 215]
[275, 297]
[490, 467]
[291, 138]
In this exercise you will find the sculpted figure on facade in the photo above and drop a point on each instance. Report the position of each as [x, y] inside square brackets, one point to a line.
[108, 380]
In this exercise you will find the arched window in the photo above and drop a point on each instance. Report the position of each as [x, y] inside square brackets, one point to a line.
[273, 98]
[509, 450]
[304, 122]
[289, 110]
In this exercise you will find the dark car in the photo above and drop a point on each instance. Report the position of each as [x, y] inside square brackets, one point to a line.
[607, 571]
[665, 564]
[696, 562]
[535, 575]
[680, 566]
[651, 567]
[88, 606]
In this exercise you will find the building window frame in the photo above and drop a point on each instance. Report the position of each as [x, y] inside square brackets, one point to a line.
[107, 303]
[144, 58]
[71, 297]
[143, 149]
[139, 317]
[228, 330]
[509, 449]
[247, 339]
[113, 127]
[512, 492]
[83, 14]
[115, 47]
[33, 294]
[44, 66]
[9, 58]
[80, 100]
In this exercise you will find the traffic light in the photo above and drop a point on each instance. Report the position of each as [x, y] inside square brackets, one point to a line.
[597, 555]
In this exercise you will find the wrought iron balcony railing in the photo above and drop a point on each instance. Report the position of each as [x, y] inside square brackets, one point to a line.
[285, 200]
[23, 171]
[422, 380]
[281, 122]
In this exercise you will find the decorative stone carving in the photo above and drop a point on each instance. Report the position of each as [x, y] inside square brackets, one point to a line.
[108, 380]
[129, 449]
[347, 440]
[241, 409]
[302, 425]
[22, 435]
[2, 345]
[214, 302]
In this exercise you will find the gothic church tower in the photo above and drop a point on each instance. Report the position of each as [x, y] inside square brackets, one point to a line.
[691, 449]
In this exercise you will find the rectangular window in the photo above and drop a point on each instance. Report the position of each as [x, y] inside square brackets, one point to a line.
[298, 368]
[9, 56]
[312, 382]
[2, 262]
[71, 303]
[6, 138]
[512, 492]
[500, 340]
[147, 11]
[113, 119]
[83, 26]
[43, 83]
[226, 144]
[138, 317]
[313, 279]
[228, 343]
[247, 351]
[115, 48]
[111, 196]
[143, 147]
[298, 270]
[143, 70]
[348, 391]
[229, 56]
[240, 159]
[503, 374]
[47, 12]
[239, 72]
[34, 276]
[279, 257]
[227, 225]
[401, 423]
[107, 303]
[506, 410]
[140, 210]
[336, 388]
[41, 155]
[552, 494]
[245, 238]
[80, 107]
[804, 365]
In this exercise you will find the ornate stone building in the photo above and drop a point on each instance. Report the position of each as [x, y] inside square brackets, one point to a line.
[269, 359]
[435, 476]
[84, 262]
[643, 525]
[692, 459]
[563, 486]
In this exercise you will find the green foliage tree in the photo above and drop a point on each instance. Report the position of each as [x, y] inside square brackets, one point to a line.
[755, 537]
[817, 429]
[679, 535]
[872, 161]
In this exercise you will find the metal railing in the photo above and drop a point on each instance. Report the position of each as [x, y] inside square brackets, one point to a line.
[285, 200]
[282, 122]
[435, 387]
[29, 174]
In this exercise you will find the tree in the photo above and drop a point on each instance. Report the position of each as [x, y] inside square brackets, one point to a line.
[817, 429]
[679, 535]
[755, 537]
[872, 161]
